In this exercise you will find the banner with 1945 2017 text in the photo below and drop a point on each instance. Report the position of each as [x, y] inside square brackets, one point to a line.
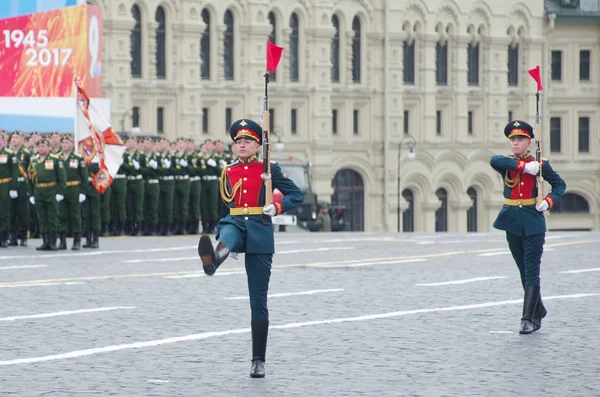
[42, 53]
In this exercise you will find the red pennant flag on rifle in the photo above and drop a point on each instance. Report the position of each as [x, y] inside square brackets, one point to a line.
[535, 73]
[273, 56]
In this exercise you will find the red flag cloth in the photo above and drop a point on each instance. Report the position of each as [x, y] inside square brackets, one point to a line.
[273, 56]
[535, 73]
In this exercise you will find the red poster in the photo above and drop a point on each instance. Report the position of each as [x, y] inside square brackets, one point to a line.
[42, 53]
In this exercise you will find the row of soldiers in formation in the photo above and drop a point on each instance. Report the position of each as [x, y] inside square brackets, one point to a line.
[161, 188]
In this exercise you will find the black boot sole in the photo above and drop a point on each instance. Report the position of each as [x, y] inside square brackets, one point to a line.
[207, 255]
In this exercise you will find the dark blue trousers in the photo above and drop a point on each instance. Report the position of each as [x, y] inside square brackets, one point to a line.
[527, 253]
[258, 270]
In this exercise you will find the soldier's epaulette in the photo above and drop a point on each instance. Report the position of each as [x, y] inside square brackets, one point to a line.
[510, 156]
[56, 156]
[8, 151]
[78, 156]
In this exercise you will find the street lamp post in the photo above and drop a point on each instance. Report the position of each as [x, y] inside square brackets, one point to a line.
[411, 143]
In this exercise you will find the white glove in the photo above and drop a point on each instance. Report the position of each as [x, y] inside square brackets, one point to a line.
[270, 210]
[136, 165]
[542, 206]
[13, 194]
[95, 160]
[59, 197]
[81, 197]
[153, 164]
[211, 162]
[32, 200]
[532, 167]
[223, 163]
[167, 163]
[183, 163]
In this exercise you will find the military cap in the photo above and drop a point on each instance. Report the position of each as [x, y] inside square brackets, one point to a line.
[44, 141]
[16, 132]
[66, 137]
[518, 127]
[34, 133]
[54, 133]
[246, 128]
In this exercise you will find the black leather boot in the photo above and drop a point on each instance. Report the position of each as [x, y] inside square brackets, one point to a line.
[211, 257]
[260, 331]
[23, 238]
[76, 242]
[3, 243]
[530, 301]
[63, 241]
[95, 243]
[52, 242]
[540, 313]
[13, 238]
[88, 240]
[104, 229]
[44, 246]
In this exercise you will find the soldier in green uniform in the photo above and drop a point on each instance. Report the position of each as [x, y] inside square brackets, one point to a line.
[90, 209]
[182, 187]
[34, 227]
[105, 215]
[47, 184]
[132, 163]
[55, 143]
[9, 172]
[195, 188]
[118, 199]
[20, 204]
[149, 167]
[75, 194]
[522, 216]
[167, 186]
[210, 188]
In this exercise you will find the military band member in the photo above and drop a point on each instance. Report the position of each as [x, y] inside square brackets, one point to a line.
[522, 218]
[134, 210]
[47, 184]
[248, 228]
[9, 172]
[69, 209]
[20, 204]
[151, 187]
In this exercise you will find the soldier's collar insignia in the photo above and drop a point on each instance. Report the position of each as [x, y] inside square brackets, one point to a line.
[243, 123]
[516, 124]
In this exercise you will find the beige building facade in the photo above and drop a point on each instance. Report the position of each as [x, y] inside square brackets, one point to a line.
[361, 84]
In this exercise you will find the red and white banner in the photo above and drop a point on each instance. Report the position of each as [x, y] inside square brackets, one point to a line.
[96, 140]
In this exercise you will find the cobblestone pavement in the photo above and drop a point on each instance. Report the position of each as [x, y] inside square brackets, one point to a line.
[352, 314]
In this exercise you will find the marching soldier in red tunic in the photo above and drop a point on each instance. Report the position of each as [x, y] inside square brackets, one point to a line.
[523, 219]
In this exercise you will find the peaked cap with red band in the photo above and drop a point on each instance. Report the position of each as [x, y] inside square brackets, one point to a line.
[247, 129]
[518, 127]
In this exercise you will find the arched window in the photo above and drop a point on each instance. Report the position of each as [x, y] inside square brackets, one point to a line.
[228, 45]
[294, 47]
[571, 203]
[161, 63]
[356, 50]
[273, 38]
[136, 43]
[472, 212]
[205, 46]
[408, 215]
[441, 215]
[335, 50]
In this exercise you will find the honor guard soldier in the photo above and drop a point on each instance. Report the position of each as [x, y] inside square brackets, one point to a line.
[90, 208]
[20, 204]
[151, 187]
[522, 218]
[248, 227]
[167, 186]
[134, 210]
[69, 209]
[182, 187]
[9, 172]
[47, 184]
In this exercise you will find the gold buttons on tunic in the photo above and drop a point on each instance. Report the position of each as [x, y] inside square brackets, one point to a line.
[245, 167]
[245, 178]
[245, 205]
[245, 191]
[246, 218]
